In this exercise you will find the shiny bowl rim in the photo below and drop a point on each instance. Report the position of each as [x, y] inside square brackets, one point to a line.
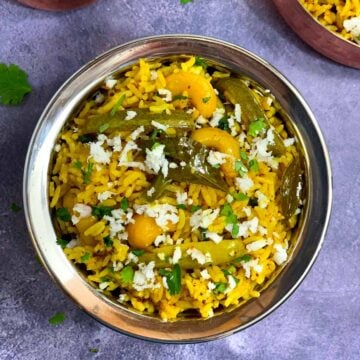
[171, 37]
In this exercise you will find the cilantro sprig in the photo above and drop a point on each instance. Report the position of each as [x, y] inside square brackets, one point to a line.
[173, 279]
[14, 84]
[257, 127]
[57, 318]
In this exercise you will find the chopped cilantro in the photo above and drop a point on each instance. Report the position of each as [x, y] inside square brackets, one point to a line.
[85, 258]
[15, 208]
[101, 211]
[57, 318]
[117, 105]
[227, 211]
[224, 124]
[256, 127]
[104, 279]
[62, 242]
[243, 155]
[103, 127]
[226, 272]
[138, 252]
[63, 214]
[235, 230]
[244, 258]
[77, 164]
[173, 279]
[199, 61]
[14, 84]
[205, 100]
[181, 206]
[240, 196]
[107, 241]
[94, 350]
[127, 274]
[195, 208]
[180, 97]
[254, 165]
[85, 139]
[220, 287]
[155, 134]
[240, 168]
[124, 203]
[183, 2]
[87, 172]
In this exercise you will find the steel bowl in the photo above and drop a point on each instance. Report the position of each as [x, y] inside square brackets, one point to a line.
[318, 36]
[313, 222]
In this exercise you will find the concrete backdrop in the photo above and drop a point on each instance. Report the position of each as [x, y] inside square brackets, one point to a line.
[320, 321]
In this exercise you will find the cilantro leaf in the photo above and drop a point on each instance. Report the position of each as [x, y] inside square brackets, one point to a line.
[15, 208]
[195, 208]
[94, 350]
[85, 258]
[227, 211]
[127, 274]
[199, 61]
[138, 252]
[254, 165]
[87, 172]
[244, 258]
[103, 127]
[205, 100]
[107, 241]
[77, 164]
[13, 84]
[240, 168]
[235, 231]
[101, 211]
[62, 242]
[243, 155]
[173, 279]
[180, 97]
[256, 127]
[57, 318]
[183, 2]
[124, 203]
[63, 214]
[240, 196]
[220, 287]
[117, 105]
[181, 206]
[224, 124]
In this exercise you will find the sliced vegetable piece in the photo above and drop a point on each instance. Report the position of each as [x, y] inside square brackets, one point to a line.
[177, 119]
[237, 92]
[290, 189]
[223, 142]
[200, 90]
[223, 252]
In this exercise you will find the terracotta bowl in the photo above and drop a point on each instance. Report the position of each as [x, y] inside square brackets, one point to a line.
[317, 36]
[56, 5]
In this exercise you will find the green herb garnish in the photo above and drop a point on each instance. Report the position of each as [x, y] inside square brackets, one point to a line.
[155, 134]
[62, 242]
[63, 214]
[240, 168]
[85, 258]
[15, 208]
[173, 279]
[205, 100]
[256, 127]
[195, 208]
[138, 252]
[235, 231]
[243, 155]
[199, 61]
[103, 127]
[127, 274]
[124, 203]
[101, 211]
[180, 97]
[107, 241]
[244, 258]
[181, 206]
[57, 319]
[94, 350]
[224, 124]
[13, 84]
[77, 164]
[220, 287]
[87, 172]
[117, 105]
[240, 196]
[227, 211]
[254, 165]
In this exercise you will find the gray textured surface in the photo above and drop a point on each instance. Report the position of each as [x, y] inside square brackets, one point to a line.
[322, 319]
